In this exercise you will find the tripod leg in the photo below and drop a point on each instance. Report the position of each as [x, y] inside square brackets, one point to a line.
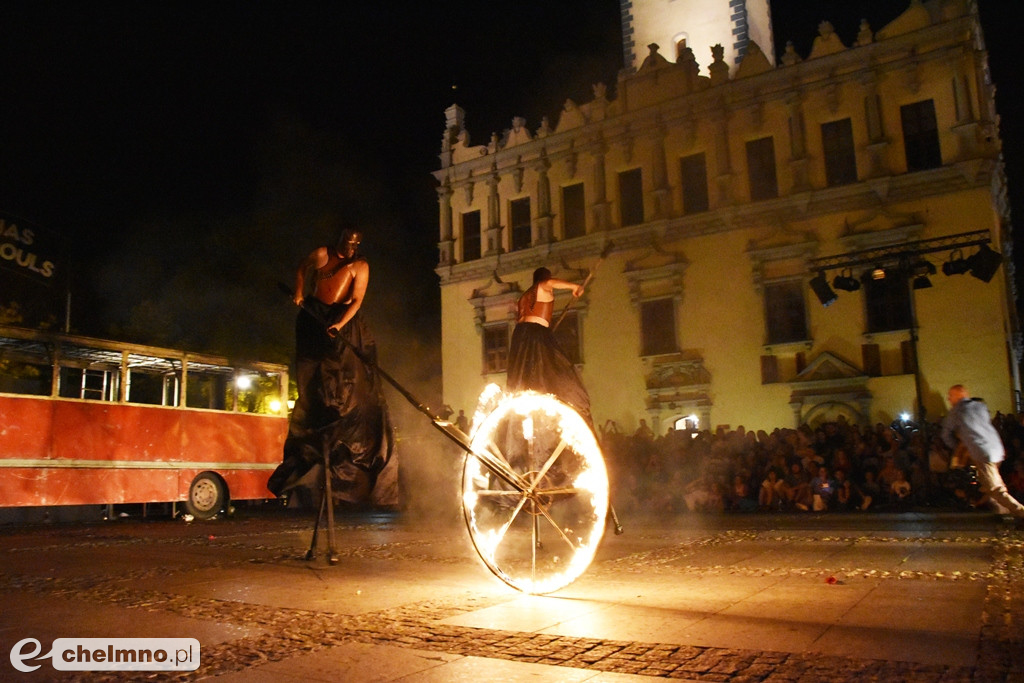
[332, 555]
[311, 553]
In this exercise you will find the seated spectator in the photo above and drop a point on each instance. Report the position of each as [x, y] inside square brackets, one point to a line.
[797, 488]
[871, 492]
[739, 498]
[899, 490]
[848, 496]
[841, 461]
[887, 475]
[822, 490]
[771, 496]
[700, 494]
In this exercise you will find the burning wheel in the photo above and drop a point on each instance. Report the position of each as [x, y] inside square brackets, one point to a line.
[535, 492]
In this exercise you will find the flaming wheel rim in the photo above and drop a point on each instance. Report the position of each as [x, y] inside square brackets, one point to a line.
[535, 492]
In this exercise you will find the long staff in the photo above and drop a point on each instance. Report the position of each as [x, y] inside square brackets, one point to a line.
[590, 276]
[565, 311]
[494, 463]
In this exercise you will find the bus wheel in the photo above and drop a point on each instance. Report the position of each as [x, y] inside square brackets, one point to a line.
[206, 496]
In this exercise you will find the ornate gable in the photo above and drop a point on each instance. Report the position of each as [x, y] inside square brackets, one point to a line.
[831, 384]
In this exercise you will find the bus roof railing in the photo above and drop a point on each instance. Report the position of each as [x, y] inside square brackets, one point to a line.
[43, 348]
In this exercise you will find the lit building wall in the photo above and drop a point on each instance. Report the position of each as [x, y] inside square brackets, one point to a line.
[700, 23]
[722, 195]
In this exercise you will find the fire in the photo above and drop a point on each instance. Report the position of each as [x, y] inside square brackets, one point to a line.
[535, 490]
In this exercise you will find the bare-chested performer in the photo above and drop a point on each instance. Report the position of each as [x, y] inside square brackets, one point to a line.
[340, 406]
[535, 360]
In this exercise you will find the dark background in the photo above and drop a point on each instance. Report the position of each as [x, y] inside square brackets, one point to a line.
[185, 156]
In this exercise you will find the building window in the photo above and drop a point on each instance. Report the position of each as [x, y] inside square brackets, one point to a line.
[574, 214]
[761, 168]
[888, 303]
[567, 336]
[785, 312]
[920, 135]
[519, 216]
[496, 348]
[658, 327]
[840, 158]
[694, 173]
[470, 236]
[631, 196]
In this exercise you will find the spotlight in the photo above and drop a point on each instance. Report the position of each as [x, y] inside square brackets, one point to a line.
[956, 265]
[921, 282]
[846, 282]
[923, 267]
[878, 273]
[985, 263]
[824, 293]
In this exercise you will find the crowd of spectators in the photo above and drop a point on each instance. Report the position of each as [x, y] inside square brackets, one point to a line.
[834, 466]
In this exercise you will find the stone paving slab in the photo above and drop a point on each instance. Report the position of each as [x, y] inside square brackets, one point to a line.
[709, 604]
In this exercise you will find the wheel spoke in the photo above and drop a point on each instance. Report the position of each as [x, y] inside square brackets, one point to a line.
[551, 461]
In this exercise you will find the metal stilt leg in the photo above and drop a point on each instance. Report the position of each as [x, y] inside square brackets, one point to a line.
[332, 555]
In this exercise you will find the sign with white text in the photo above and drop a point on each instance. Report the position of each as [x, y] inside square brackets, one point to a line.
[27, 249]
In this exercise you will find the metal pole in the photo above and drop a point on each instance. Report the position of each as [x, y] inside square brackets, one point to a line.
[922, 413]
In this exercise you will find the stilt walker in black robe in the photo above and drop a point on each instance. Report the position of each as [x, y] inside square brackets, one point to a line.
[535, 361]
[340, 408]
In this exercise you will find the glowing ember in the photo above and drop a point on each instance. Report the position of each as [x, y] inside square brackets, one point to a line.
[535, 490]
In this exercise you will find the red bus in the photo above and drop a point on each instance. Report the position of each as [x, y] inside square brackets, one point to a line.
[88, 421]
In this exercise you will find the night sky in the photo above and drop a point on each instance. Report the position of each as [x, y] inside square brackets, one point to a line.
[185, 156]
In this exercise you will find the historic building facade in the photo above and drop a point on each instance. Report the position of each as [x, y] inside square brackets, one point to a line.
[785, 243]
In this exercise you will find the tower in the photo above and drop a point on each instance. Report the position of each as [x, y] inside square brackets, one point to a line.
[696, 24]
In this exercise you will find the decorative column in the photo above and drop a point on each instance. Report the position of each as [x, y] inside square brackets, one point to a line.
[877, 145]
[446, 246]
[659, 174]
[966, 128]
[601, 208]
[543, 231]
[723, 161]
[493, 232]
[798, 161]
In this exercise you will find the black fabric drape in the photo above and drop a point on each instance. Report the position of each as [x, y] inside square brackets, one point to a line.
[536, 362]
[340, 409]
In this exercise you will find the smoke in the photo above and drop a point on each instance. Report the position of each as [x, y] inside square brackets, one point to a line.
[210, 283]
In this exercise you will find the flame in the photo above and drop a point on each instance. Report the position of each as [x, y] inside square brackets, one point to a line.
[485, 404]
[538, 532]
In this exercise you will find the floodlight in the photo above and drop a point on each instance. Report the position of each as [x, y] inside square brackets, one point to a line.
[956, 265]
[985, 263]
[824, 293]
[846, 282]
[921, 282]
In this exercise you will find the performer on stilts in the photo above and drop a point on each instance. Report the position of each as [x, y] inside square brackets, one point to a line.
[536, 361]
[340, 416]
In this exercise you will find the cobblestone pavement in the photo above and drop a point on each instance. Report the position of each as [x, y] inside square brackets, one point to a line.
[278, 633]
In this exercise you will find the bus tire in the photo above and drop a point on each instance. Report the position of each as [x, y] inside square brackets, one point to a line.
[207, 496]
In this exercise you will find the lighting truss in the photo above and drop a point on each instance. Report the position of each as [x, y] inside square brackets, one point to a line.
[899, 252]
